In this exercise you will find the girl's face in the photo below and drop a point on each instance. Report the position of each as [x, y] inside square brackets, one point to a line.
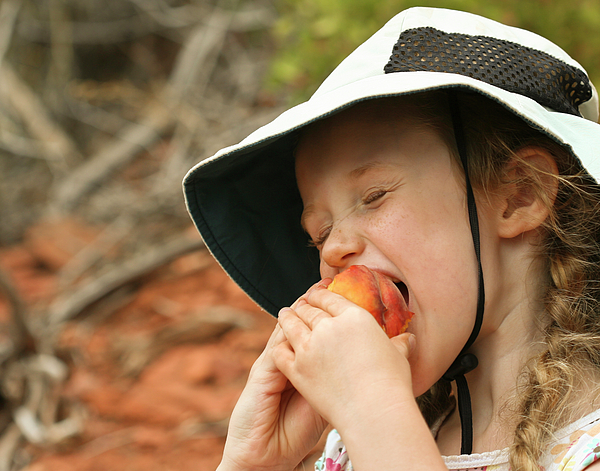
[390, 196]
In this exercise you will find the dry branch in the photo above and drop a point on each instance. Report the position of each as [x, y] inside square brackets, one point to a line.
[9, 443]
[193, 60]
[201, 122]
[57, 144]
[169, 17]
[69, 305]
[9, 10]
[95, 116]
[157, 120]
[129, 29]
[91, 254]
[126, 145]
[21, 146]
[61, 65]
[20, 333]
[206, 326]
[92, 32]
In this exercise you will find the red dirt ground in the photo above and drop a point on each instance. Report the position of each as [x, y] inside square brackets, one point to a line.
[173, 414]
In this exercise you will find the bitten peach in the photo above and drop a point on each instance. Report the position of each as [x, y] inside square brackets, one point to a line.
[377, 294]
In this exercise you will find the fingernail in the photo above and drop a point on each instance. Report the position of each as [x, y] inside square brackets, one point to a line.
[284, 310]
[412, 343]
[324, 283]
[321, 284]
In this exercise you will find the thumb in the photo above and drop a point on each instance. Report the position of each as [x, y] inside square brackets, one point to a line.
[405, 343]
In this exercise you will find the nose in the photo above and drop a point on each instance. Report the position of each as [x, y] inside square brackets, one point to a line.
[341, 247]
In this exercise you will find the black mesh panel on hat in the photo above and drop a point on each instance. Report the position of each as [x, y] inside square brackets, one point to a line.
[504, 64]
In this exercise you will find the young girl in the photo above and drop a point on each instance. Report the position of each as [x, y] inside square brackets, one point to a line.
[457, 156]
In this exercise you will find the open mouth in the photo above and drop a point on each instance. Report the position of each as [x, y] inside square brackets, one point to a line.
[403, 290]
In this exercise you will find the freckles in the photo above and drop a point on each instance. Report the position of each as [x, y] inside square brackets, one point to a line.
[384, 226]
[392, 221]
[393, 233]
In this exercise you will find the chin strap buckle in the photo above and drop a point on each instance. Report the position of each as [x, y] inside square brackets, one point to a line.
[463, 364]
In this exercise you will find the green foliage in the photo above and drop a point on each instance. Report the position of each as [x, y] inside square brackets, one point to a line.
[313, 36]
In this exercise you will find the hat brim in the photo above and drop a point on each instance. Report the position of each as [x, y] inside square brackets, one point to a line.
[246, 206]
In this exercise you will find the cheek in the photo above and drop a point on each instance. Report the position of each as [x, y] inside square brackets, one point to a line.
[435, 243]
[436, 256]
[443, 279]
[445, 307]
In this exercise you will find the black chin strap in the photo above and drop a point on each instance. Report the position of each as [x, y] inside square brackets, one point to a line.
[466, 362]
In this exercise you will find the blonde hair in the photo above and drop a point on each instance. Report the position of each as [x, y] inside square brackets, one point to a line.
[570, 253]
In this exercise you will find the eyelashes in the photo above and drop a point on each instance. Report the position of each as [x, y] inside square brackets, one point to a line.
[320, 240]
[374, 196]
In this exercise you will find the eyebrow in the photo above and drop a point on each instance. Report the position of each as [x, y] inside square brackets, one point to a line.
[372, 165]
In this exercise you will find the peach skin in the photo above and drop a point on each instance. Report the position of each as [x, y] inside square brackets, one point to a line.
[377, 294]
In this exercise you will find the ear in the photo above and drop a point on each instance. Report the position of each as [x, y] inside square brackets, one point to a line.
[523, 208]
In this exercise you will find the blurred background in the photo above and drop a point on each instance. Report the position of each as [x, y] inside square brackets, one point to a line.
[122, 344]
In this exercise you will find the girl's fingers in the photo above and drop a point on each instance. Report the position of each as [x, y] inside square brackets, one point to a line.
[316, 305]
[327, 301]
[311, 315]
[284, 356]
[265, 362]
[277, 336]
[294, 328]
[405, 343]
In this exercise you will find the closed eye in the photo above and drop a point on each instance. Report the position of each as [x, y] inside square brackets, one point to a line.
[374, 196]
[320, 239]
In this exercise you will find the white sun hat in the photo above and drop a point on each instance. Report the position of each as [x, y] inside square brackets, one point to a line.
[244, 199]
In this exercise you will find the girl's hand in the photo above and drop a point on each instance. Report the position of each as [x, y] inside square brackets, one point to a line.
[341, 360]
[348, 370]
[272, 426]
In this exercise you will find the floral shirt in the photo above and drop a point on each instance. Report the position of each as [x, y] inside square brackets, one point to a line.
[575, 447]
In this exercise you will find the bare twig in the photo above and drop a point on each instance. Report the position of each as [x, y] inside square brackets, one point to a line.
[107, 442]
[69, 305]
[95, 116]
[206, 326]
[235, 131]
[36, 417]
[92, 32]
[22, 146]
[194, 427]
[127, 145]
[61, 64]
[9, 9]
[192, 66]
[117, 31]
[9, 442]
[193, 63]
[36, 118]
[169, 17]
[253, 19]
[92, 253]
[20, 332]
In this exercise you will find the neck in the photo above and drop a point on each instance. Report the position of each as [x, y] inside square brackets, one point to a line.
[502, 355]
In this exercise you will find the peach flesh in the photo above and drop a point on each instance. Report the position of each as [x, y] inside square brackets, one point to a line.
[377, 294]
